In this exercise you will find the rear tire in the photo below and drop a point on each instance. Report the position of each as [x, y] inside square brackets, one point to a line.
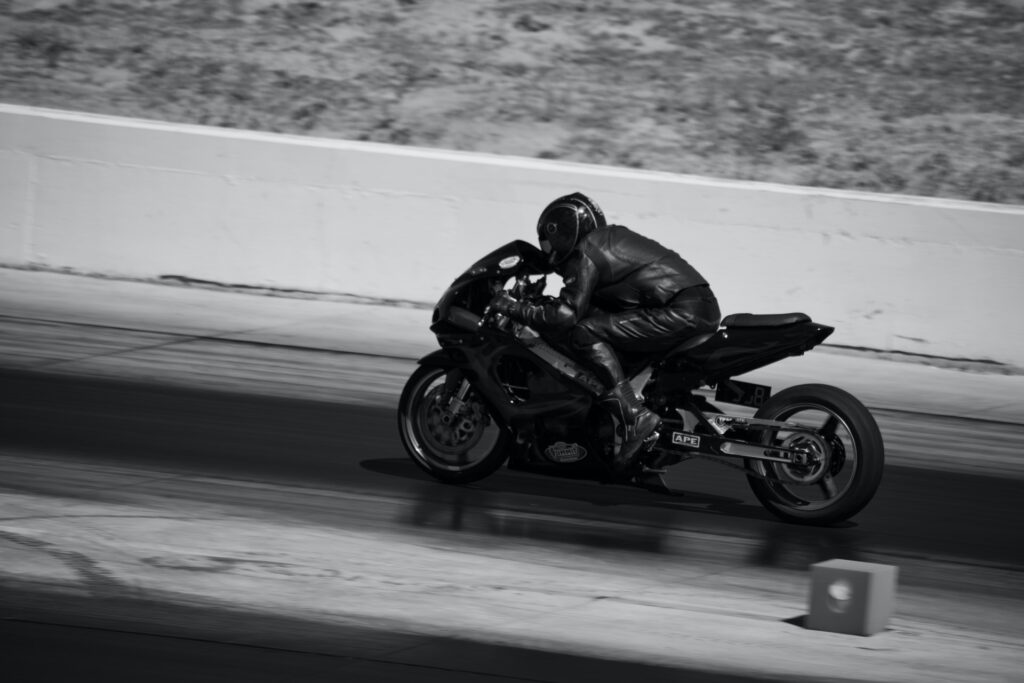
[849, 456]
[453, 443]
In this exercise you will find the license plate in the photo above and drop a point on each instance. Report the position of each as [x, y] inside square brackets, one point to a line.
[742, 393]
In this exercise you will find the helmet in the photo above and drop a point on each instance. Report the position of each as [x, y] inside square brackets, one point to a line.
[564, 222]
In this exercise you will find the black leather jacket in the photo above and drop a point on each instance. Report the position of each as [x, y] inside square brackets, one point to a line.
[613, 269]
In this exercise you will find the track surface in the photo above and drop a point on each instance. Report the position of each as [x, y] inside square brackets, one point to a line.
[918, 513]
[184, 581]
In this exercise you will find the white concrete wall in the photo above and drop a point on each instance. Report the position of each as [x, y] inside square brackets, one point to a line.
[144, 199]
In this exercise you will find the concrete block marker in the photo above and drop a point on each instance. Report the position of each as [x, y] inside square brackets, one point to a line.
[851, 597]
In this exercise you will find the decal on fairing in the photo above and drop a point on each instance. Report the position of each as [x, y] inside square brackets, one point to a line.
[509, 262]
[683, 439]
[562, 452]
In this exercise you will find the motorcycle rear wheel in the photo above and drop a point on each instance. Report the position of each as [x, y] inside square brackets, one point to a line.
[846, 449]
[454, 441]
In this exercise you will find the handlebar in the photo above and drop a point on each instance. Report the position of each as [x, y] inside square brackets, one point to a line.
[499, 321]
[522, 290]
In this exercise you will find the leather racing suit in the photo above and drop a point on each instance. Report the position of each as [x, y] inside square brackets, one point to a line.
[623, 291]
[628, 291]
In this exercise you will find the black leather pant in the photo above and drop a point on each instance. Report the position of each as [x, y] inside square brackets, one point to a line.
[644, 330]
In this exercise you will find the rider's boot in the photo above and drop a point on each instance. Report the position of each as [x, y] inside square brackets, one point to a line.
[638, 424]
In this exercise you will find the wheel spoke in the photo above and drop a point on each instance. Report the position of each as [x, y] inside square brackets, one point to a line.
[828, 429]
[828, 487]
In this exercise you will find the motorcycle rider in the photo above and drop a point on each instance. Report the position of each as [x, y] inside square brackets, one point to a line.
[622, 291]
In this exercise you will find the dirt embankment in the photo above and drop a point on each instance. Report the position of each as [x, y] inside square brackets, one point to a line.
[918, 97]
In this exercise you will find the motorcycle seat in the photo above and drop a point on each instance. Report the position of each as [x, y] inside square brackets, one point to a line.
[769, 320]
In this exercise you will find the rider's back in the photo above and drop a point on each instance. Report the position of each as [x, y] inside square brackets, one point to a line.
[635, 271]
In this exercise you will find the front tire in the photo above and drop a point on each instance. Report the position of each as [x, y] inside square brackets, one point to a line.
[845, 463]
[453, 439]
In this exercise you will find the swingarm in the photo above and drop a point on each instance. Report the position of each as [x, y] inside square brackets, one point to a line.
[676, 440]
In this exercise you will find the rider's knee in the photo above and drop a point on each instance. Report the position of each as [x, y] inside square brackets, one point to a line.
[583, 335]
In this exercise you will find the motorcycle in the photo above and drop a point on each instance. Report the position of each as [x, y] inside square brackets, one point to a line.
[498, 392]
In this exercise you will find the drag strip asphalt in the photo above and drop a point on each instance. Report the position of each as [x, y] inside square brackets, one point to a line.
[918, 513]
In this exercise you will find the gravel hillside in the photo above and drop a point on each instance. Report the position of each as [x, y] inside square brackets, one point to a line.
[921, 97]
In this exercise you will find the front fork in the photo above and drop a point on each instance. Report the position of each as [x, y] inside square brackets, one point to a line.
[456, 388]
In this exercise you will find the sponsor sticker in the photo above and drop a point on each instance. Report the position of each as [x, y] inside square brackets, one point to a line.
[509, 262]
[684, 439]
[563, 452]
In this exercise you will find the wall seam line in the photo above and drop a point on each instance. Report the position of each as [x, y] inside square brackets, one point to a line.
[29, 216]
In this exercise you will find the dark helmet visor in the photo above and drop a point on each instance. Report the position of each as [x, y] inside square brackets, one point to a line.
[558, 231]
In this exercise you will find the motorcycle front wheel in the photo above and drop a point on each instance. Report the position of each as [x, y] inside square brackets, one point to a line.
[844, 453]
[447, 429]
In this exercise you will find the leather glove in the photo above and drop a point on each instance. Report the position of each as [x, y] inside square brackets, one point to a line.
[503, 303]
